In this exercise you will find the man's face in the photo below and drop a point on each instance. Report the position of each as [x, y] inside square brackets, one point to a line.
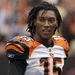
[45, 23]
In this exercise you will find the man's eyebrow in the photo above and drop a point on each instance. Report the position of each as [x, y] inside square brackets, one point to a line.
[41, 16]
[43, 12]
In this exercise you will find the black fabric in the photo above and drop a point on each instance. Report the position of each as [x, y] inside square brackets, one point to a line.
[16, 67]
[15, 45]
[15, 55]
[3, 65]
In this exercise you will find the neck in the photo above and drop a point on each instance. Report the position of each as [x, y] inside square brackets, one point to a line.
[46, 42]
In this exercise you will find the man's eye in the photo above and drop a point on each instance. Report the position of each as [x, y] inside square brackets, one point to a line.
[41, 19]
[51, 20]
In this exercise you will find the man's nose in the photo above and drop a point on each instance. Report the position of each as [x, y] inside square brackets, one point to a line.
[46, 24]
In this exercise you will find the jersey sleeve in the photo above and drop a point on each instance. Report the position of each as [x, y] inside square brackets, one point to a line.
[17, 49]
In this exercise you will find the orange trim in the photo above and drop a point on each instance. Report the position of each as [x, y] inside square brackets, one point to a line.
[20, 47]
[55, 73]
[42, 64]
[13, 47]
[48, 66]
[34, 45]
[57, 62]
[17, 37]
[61, 42]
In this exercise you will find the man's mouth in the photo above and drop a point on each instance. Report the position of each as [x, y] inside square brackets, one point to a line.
[46, 31]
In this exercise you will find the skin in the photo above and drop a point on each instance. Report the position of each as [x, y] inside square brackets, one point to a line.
[45, 24]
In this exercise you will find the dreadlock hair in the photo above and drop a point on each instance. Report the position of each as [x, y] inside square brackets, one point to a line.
[34, 12]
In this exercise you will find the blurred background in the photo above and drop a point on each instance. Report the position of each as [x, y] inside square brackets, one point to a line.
[13, 15]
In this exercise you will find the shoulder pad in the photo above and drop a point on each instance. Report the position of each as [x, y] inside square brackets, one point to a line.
[57, 38]
[21, 38]
[60, 41]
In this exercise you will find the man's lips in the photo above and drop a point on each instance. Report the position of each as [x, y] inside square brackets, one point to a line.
[46, 31]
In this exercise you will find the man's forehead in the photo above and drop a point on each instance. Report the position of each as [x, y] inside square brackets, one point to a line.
[46, 12]
[41, 12]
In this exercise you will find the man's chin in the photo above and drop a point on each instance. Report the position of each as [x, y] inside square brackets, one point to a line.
[46, 37]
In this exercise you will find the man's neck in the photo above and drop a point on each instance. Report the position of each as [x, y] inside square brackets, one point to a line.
[45, 42]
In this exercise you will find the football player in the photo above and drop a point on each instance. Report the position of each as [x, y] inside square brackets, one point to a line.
[41, 53]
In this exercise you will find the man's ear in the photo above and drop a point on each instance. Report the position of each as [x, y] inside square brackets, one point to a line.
[56, 25]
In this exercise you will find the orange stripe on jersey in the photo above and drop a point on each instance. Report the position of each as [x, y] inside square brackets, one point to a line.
[35, 44]
[61, 42]
[45, 62]
[48, 66]
[14, 48]
[32, 45]
[57, 62]
[20, 47]
[15, 38]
